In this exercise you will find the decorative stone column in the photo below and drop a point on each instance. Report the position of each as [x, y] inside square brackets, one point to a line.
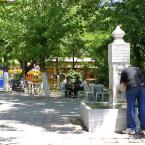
[118, 59]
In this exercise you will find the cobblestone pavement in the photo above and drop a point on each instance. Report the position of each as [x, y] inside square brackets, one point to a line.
[34, 120]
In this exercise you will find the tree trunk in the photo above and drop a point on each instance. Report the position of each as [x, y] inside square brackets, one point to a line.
[73, 67]
[57, 66]
[25, 67]
[6, 81]
[6, 75]
[44, 79]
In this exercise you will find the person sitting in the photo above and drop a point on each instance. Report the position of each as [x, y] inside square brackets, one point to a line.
[62, 84]
[84, 85]
[68, 87]
[77, 86]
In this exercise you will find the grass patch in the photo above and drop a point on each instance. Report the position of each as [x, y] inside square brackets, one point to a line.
[101, 105]
[98, 105]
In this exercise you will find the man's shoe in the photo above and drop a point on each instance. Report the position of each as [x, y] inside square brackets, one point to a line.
[128, 131]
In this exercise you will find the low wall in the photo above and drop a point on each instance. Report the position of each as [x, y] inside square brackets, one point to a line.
[104, 120]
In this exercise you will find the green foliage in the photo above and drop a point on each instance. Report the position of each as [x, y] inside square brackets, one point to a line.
[99, 105]
[41, 30]
[17, 77]
[97, 48]
[37, 31]
[73, 74]
[130, 15]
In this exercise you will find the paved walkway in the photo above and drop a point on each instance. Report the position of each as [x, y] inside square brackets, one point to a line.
[33, 120]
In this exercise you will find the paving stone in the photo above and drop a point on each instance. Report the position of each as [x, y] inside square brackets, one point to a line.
[122, 141]
[32, 120]
[143, 140]
[110, 140]
[134, 140]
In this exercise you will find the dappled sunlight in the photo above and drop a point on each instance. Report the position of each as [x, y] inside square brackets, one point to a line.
[76, 108]
[72, 112]
[34, 111]
[6, 106]
[25, 134]
[23, 118]
[60, 102]
[15, 132]
[47, 111]
[40, 103]
[35, 121]
[68, 115]
[61, 105]
[67, 128]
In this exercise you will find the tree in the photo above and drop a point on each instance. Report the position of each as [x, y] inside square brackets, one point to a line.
[130, 15]
[35, 29]
[133, 25]
[41, 30]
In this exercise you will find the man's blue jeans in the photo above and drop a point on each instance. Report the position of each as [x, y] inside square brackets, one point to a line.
[142, 108]
[133, 94]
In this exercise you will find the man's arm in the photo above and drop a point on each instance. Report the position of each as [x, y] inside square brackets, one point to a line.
[123, 81]
[123, 78]
[122, 88]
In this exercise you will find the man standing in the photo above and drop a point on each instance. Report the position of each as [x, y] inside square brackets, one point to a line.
[133, 79]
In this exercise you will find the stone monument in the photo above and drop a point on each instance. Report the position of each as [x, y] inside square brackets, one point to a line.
[118, 59]
[104, 122]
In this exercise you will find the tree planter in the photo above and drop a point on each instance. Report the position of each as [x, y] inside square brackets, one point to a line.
[104, 120]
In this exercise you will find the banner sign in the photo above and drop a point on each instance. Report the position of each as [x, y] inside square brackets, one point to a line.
[1, 79]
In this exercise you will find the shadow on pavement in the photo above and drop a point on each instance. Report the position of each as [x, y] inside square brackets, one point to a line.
[52, 115]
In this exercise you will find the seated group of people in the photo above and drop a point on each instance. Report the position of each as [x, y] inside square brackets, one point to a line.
[72, 89]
